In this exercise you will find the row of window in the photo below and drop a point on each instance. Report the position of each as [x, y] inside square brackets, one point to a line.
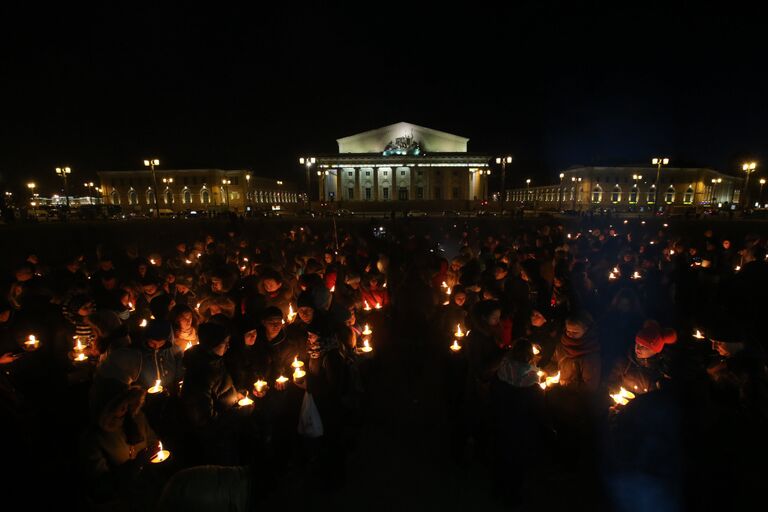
[552, 195]
[258, 196]
[184, 180]
[402, 193]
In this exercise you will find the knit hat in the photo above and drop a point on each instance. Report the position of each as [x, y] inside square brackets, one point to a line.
[212, 335]
[158, 330]
[320, 326]
[272, 312]
[653, 337]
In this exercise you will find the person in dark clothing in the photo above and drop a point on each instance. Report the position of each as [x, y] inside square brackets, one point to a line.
[578, 354]
[645, 369]
[208, 396]
[545, 333]
[519, 421]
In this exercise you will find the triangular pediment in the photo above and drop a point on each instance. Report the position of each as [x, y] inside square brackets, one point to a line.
[413, 138]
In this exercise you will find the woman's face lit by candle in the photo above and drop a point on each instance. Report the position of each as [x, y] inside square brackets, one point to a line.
[250, 337]
[306, 314]
[460, 298]
[185, 320]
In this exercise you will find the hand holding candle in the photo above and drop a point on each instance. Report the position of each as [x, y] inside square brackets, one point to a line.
[161, 455]
[280, 383]
[260, 388]
[31, 343]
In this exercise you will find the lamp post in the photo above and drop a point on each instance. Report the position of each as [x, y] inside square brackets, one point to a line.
[63, 172]
[167, 182]
[528, 190]
[31, 186]
[749, 168]
[575, 180]
[658, 162]
[760, 197]
[225, 183]
[248, 181]
[151, 164]
[560, 194]
[503, 161]
[637, 177]
[308, 162]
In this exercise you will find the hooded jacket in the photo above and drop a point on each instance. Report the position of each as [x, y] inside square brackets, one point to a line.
[208, 389]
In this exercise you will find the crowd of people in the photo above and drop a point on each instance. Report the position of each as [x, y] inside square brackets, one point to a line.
[628, 355]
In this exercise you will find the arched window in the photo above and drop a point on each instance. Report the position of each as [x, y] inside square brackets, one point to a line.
[597, 194]
[669, 197]
[150, 198]
[633, 195]
[187, 196]
[115, 197]
[133, 198]
[205, 196]
[616, 194]
[168, 197]
[688, 198]
[573, 193]
[651, 196]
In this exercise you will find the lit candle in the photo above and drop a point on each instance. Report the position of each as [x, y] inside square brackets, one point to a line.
[569, 235]
[260, 388]
[636, 275]
[643, 222]
[198, 255]
[367, 330]
[131, 307]
[298, 375]
[737, 268]
[671, 252]
[548, 381]
[32, 343]
[143, 322]
[378, 305]
[626, 222]
[280, 382]
[536, 349]
[333, 288]
[367, 307]
[666, 225]
[80, 357]
[296, 363]
[366, 346]
[79, 345]
[188, 261]
[152, 261]
[458, 333]
[157, 388]
[698, 335]
[245, 401]
[197, 307]
[160, 456]
[384, 285]
[611, 276]
[188, 346]
[444, 285]
[291, 313]
[623, 397]
[455, 347]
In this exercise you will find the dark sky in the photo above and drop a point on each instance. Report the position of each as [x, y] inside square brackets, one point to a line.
[229, 88]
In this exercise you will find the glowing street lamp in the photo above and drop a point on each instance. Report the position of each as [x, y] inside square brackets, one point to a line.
[63, 172]
[760, 197]
[749, 168]
[152, 163]
[225, 183]
[715, 181]
[503, 160]
[658, 162]
[560, 193]
[308, 162]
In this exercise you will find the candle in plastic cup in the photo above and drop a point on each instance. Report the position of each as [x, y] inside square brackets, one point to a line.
[455, 347]
[157, 388]
[160, 456]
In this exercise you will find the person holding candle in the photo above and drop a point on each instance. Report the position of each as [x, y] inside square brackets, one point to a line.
[117, 442]
[184, 321]
[645, 368]
[578, 353]
[209, 396]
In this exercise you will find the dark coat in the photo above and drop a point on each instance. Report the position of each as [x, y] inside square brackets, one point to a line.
[208, 390]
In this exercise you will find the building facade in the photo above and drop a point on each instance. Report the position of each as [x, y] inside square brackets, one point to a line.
[631, 188]
[194, 189]
[402, 162]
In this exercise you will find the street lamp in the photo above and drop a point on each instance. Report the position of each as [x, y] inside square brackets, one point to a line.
[31, 186]
[64, 172]
[760, 197]
[560, 194]
[636, 177]
[749, 168]
[225, 184]
[309, 162]
[528, 189]
[151, 164]
[248, 181]
[167, 182]
[658, 162]
[503, 161]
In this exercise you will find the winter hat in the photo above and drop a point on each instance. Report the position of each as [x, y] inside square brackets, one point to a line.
[105, 321]
[212, 335]
[185, 280]
[320, 326]
[305, 300]
[653, 337]
[160, 306]
[272, 312]
[158, 330]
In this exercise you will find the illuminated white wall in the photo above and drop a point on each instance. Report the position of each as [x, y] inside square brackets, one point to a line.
[374, 141]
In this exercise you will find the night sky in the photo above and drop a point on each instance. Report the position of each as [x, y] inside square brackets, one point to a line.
[228, 88]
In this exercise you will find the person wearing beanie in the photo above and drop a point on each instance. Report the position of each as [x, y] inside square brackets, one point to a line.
[161, 359]
[646, 368]
[208, 392]
[305, 312]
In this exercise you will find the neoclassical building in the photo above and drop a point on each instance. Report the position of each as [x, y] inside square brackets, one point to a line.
[402, 162]
[194, 189]
[630, 187]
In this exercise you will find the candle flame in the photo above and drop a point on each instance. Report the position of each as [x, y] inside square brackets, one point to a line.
[282, 379]
[296, 363]
[444, 285]
[367, 307]
[188, 261]
[458, 333]
[291, 313]
[367, 330]
[698, 335]
[623, 396]
[157, 388]
[611, 276]
[378, 305]
[188, 346]
[333, 288]
[245, 401]
[455, 347]
[536, 349]
[259, 386]
[143, 322]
